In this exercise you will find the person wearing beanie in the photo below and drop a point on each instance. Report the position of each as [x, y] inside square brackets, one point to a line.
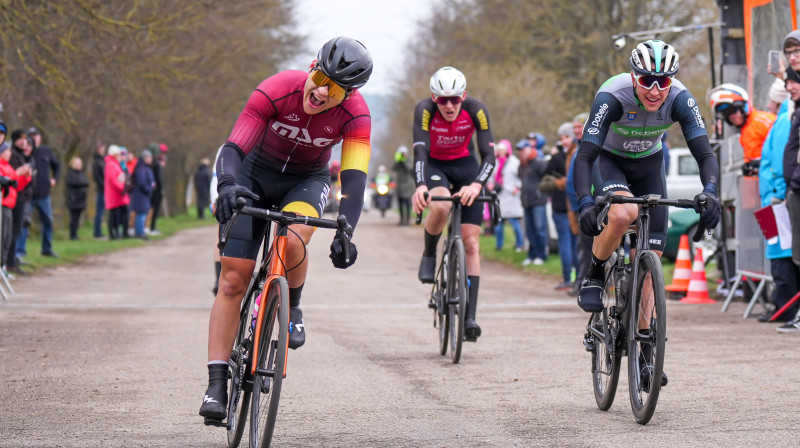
[772, 189]
[510, 195]
[566, 220]
[117, 199]
[77, 185]
[9, 200]
[777, 96]
[534, 202]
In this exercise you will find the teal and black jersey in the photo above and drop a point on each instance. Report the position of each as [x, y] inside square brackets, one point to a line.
[620, 125]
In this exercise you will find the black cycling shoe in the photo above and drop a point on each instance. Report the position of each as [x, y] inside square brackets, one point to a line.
[215, 400]
[472, 330]
[427, 269]
[646, 373]
[590, 297]
[297, 330]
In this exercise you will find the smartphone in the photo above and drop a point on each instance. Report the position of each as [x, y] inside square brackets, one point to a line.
[775, 63]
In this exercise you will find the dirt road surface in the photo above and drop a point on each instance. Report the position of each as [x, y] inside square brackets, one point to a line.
[112, 352]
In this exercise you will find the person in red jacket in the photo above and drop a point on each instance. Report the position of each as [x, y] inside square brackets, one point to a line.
[732, 104]
[22, 177]
[117, 198]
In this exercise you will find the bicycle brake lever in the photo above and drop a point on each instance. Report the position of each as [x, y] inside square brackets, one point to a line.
[223, 237]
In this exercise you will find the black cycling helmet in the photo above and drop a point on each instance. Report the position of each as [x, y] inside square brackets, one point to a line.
[346, 61]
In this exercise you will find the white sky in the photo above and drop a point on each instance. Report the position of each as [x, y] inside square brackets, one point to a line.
[383, 26]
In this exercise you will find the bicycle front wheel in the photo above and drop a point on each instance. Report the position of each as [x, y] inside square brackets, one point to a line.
[270, 364]
[457, 297]
[441, 317]
[646, 338]
[239, 384]
[607, 356]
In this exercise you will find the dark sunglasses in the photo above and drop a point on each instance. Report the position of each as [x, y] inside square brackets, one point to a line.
[444, 100]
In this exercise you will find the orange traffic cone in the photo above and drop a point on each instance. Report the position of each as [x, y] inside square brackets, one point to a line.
[698, 287]
[683, 268]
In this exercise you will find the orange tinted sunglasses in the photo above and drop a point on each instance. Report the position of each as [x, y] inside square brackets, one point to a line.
[335, 91]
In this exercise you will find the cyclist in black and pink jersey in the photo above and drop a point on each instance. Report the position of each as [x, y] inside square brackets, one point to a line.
[277, 156]
[445, 163]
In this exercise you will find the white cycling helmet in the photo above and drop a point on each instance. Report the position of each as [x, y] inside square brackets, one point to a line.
[654, 57]
[448, 81]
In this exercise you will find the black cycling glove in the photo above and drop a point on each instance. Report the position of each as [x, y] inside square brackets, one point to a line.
[709, 216]
[337, 251]
[226, 201]
[588, 220]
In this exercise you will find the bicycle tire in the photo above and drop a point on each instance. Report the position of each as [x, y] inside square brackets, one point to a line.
[605, 365]
[649, 283]
[239, 401]
[440, 299]
[457, 297]
[271, 356]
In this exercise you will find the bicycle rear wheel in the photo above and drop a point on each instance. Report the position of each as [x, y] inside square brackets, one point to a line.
[239, 385]
[271, 363]
[646, 338]
[457, 296]
[607, 357]
[440, 300]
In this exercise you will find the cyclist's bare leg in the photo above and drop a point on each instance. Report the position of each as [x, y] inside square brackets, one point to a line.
[647, 297]
[620, 217]
[296, 254]
[224, 320]
[470, 234]
[439, 210]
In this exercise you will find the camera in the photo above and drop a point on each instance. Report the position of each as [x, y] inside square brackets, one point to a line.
[619, 43]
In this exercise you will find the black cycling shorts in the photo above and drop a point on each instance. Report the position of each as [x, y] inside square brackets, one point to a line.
[304, 194]
[454, 174]
[639, 177]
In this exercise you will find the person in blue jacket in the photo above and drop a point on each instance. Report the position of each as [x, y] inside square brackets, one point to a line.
[772, 188]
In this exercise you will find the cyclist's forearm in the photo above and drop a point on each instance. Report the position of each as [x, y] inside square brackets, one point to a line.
[709, 167]
[582, 178]
[228, 164]
[353, 184]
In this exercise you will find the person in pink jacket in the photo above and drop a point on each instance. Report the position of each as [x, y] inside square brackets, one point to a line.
[117, 198]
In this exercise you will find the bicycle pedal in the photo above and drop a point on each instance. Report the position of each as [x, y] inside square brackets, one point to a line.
[432, 304]
[215, 422]
[588, 344]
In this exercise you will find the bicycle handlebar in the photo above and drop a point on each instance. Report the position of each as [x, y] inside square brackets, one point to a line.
[603, 203]
[492, 197]
[287, 219]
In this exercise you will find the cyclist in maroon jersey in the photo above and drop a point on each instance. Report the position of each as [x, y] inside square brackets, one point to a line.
[445, 163]
[277, 156]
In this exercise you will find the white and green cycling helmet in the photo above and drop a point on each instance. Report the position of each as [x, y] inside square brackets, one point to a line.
[654, 57]
[448, 81]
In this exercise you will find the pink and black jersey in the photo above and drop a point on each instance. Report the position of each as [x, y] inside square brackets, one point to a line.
[436, 138]
[274, 126]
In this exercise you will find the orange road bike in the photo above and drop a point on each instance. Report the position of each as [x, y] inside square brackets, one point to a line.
[258, 359]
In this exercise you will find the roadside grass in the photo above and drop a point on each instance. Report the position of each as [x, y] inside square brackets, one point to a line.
[552, 266]
[70, 251]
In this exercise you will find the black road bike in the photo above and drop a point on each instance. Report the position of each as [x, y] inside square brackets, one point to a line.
[633, 321]
[449, 296]
[258, 359]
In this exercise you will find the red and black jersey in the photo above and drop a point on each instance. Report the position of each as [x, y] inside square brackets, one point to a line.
[436, 138]
[274, 124]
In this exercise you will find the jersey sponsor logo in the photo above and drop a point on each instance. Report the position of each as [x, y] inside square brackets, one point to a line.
[621, 130]
[598, 118]
[435, 129]
[323, 197]
[426, 120]
[698, 118]
[483, 121]
[465, 127]
[637, 145]
[436, 177]
[328, 129]
[608, 187]
[655, 241]
[299, 135]
[415, 144]
[292, 117]
[450, 140]
[691, 102]
[632, 115]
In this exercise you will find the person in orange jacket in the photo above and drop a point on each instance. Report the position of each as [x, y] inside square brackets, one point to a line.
[732, 104]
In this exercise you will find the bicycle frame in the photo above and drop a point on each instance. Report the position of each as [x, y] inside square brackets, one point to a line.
[276, 268]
